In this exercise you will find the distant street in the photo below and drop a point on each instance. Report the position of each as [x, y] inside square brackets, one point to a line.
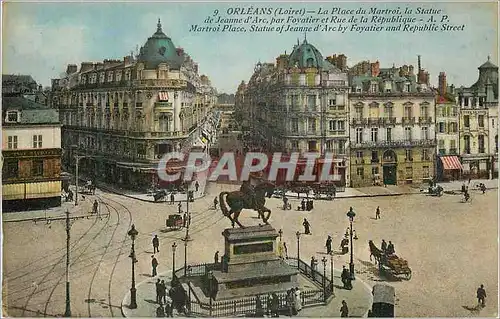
[442, 239]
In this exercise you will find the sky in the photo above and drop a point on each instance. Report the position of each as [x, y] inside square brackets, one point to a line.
[40, 39]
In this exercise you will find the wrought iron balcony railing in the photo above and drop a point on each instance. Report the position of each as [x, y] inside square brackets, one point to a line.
[397, 143]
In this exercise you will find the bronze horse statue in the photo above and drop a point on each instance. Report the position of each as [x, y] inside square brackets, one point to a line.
[245, 198]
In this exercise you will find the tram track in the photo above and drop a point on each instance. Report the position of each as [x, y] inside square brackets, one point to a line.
[42, 281]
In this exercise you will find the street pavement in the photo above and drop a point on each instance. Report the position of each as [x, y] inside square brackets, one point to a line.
[451, 247]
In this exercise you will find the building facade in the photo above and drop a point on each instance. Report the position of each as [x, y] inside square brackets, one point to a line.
[299, 104]
[448, 167]
[478, 124]
[31, 155]
[392, 136]
[123, 115]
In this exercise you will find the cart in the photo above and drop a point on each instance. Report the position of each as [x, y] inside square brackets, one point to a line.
[396, 266]
[174, 222]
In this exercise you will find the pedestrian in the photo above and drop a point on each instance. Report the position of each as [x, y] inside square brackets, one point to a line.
[344, 310]
[298, 299]
[329, 245]
[154, 265]
[172, 198]
[167, 308]
[274, 305]
[463, 187]
[163, 287]
[481, 295]
[354, 235]
[377, 213]
[259, 310]
[346, 232]
[286, 250]
[184, 219]
[290, 300]
[216, 257]
[307, 227]
[158, 291]
[160, 313]
[384, 246]
[469, 180]
[215, 202]
[196, 186]
[344, 276]
[189, 219]
[303, 204]
[179, 208]
[156, 244]
[390, 248]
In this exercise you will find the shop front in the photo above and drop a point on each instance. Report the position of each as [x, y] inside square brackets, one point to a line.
[449, 168]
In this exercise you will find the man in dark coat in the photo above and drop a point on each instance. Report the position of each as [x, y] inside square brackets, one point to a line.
[303, 204]
[158, 291]
[384, 246]
[156, 244]
[307, 227]
[163, 290]
[196, 186]
[154, 265]
[95, 208]
[345, 277]
[172, 198]
[390, 248]
[329, 245]
[377, 213]
[344, 310]
[481, 295]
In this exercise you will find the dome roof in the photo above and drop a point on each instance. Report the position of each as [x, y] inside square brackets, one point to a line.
[306, 55]
[488, 65]
[160, 49]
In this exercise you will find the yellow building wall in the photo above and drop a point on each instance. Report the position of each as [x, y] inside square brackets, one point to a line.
[31, 190]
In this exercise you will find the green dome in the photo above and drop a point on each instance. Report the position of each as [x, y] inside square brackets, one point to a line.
[160, 49]
[307, 56]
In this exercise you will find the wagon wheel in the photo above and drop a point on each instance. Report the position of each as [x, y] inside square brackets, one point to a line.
[408, 274]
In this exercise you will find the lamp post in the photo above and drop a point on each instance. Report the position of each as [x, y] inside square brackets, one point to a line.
[133, 233]
[324, 260]
[174, 245]
[210, 274]
[67, 313]
[298, 249]
[281, 234]
[185, 255]
[331, 273]
[351, 215]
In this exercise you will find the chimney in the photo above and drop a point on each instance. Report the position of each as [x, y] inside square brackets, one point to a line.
[419, 65]
[86, 66]
[442, 83]
[72, 68]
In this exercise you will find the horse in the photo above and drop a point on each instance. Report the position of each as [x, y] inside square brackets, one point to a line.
[238, 200]
[375, 252]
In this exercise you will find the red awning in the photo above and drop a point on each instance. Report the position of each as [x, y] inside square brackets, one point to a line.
[451, 162]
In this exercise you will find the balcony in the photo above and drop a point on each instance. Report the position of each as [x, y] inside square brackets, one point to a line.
[160, 82]
[394, 144]
[408, 120]
[373, 121]
[357, 121]
[389, 120]
[453, 151]
[374, 160]
[359, 161]
[425, 120]
[442, 151]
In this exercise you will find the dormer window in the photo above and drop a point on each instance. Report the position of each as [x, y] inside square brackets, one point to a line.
[110, 77]
[374, 88]
[12, 117]
[407, 87]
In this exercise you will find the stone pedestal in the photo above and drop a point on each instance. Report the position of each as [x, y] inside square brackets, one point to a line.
[251, 264]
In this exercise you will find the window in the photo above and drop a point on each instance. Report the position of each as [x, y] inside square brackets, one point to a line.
[337, 126]
[295, 101]
[480, 139]
[10, 169]
[425, 172]
[453, 127]
[341, 146]
[374, 157]
[332, 102]
[425, 154]
[110, 77]
[37, 168]
[311, 125]
[424, 111]
[441, 127]
[408, 111]
[295, 145]
[388, 111]
[37, 141]
[359, 135]
[12, 142]
[375, 170]
[454, 111]
[453, 147]
[409, 156]
[138, 105]
[295, 125]
[425, 133]
[466, 121]
[360, 171]
[374, 134]
[311, 102]
[441, 147]
[164, 124]
[409, 173]
[467, 144]
[480, 120]
[408, 133]
[388, 135]
[359, 154]
[12, 117]
[374, 88]
[359, 113]
[407, 87]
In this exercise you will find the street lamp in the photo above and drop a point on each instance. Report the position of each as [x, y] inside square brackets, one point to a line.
[324, 260]
[351, 215]
[174, 245]
[185, 256]
[133, 233]
[281, 234]
[331, 273]
[298, 249]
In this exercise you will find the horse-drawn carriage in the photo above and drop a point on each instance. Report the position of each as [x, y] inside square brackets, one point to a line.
[174, 222]
[436, 190]
[327, 189]
[390, 263]
[88, 188]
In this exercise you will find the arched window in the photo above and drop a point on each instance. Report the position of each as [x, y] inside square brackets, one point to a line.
[310, 62]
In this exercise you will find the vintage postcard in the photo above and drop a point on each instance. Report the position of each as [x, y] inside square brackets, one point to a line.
[250, 159]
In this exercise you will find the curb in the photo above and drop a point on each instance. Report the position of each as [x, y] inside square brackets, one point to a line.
[41, 218]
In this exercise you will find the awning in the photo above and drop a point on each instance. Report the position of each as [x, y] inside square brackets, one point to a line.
[163, 96]
[451, 162]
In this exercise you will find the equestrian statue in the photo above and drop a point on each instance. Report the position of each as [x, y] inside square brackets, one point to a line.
[248, 197]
